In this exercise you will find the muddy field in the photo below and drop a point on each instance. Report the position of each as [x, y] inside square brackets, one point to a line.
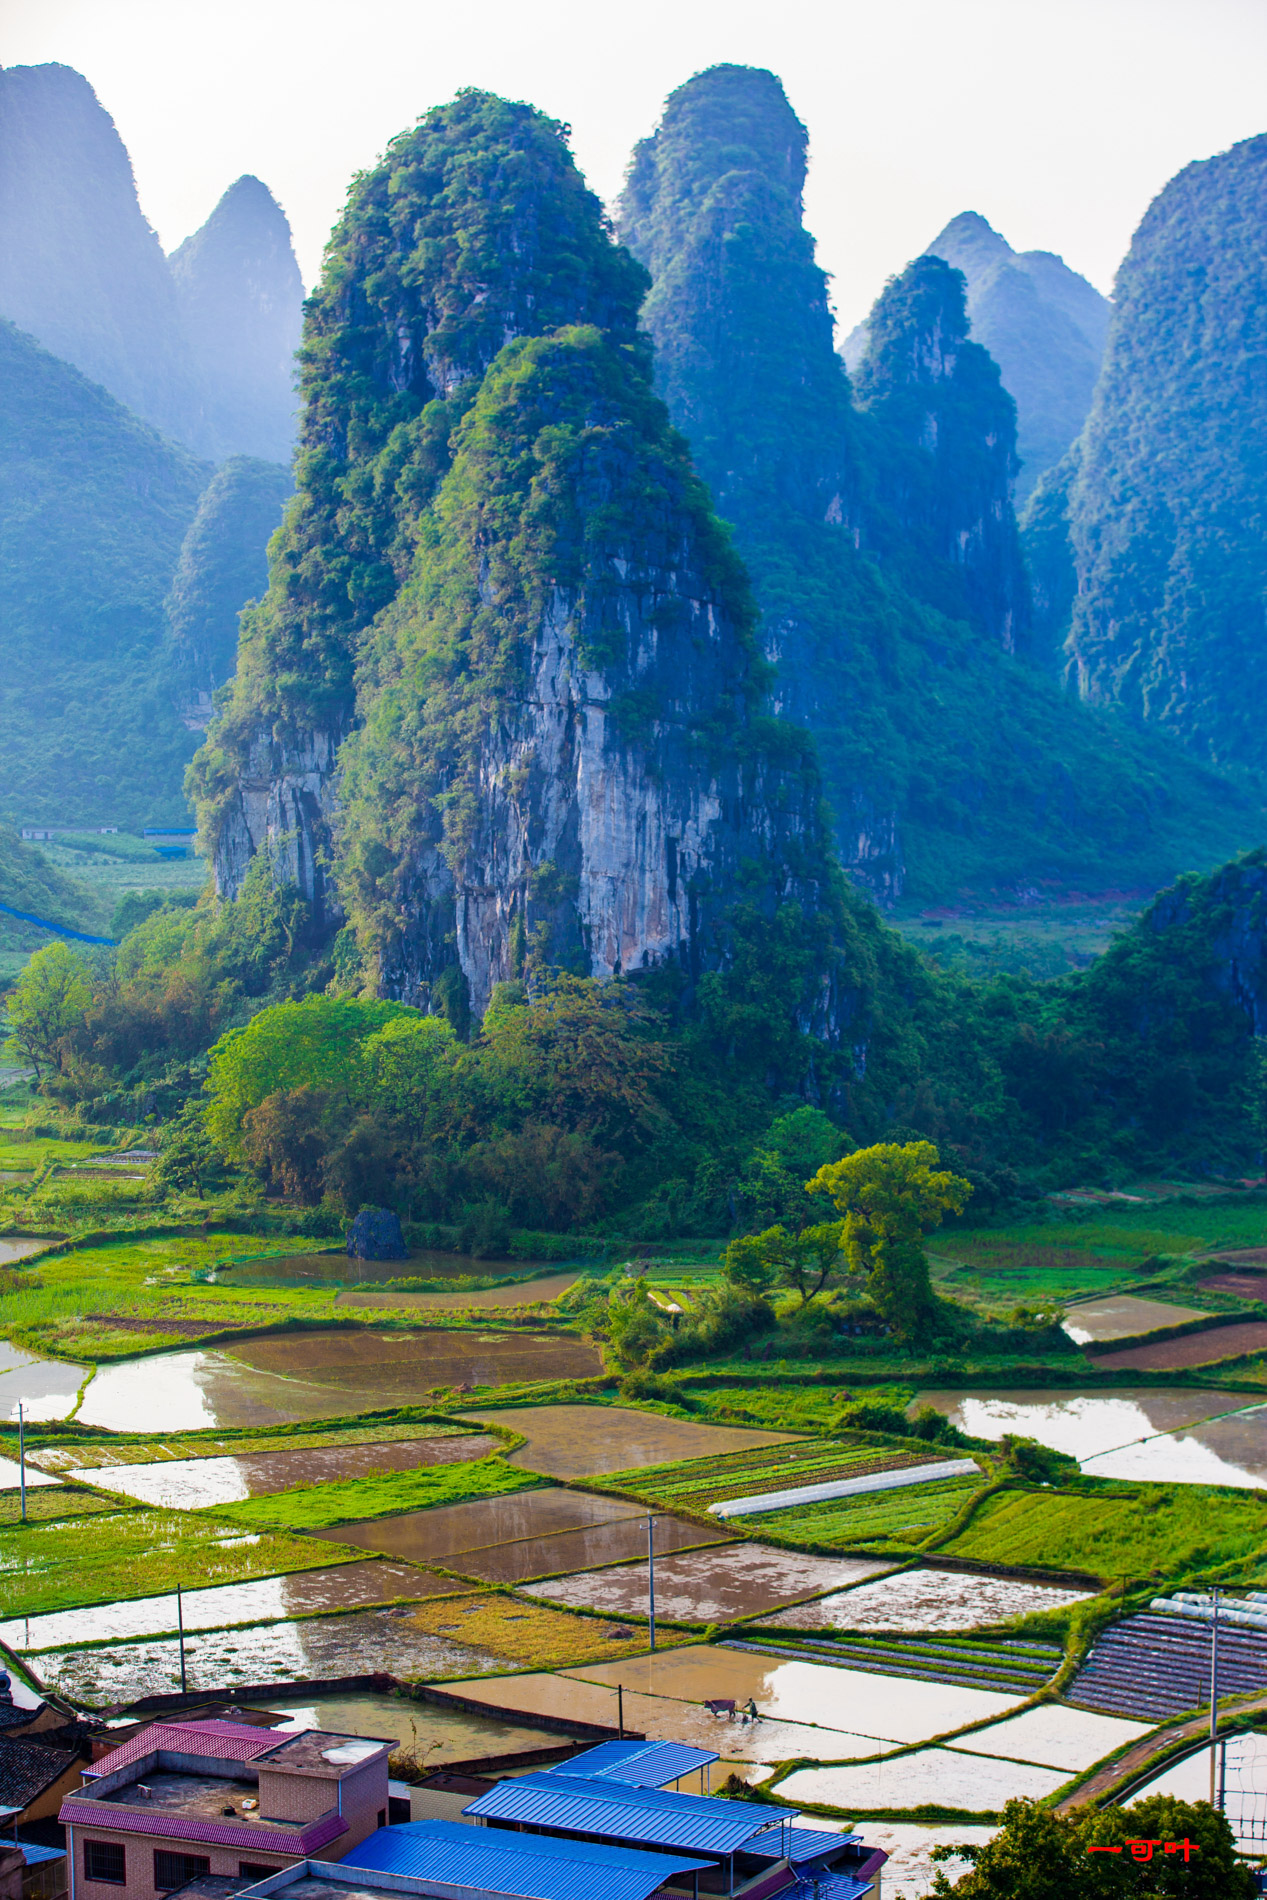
[710, 1586]
[1195, 1349]
[348, 1586]
[1123, 1317]
[579, 1441]
[1242, 1286]
[192, 1484]
[438, 1737]
[402, 1368]
[319, 1648]
[513, 1293]
[528, 1534]
[922, 1599]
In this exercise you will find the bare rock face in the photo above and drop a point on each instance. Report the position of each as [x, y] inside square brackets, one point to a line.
[282, 805]
[80, 268]
[241, 297]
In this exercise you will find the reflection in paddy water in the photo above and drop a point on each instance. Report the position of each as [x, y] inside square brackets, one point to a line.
[191, 1484]
[1162, 1437]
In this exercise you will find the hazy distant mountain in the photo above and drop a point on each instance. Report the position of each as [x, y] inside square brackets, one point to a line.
[94, 506]
[223, 564]
[1044, 325]
[241, 297]
[80, 268]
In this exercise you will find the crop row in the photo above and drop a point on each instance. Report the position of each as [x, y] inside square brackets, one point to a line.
[701, 1481]
[909, 1514]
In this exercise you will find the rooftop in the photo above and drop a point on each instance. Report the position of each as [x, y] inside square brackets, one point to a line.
[28, 1766]
[215, 1740]
[496, 1860]
[318, 1751]
[650, 1816]
[639, 1764]
[175, 1792]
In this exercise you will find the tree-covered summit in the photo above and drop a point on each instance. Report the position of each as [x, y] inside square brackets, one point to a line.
[950, 765]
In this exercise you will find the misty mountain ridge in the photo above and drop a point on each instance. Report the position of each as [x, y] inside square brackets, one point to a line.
[200, 345]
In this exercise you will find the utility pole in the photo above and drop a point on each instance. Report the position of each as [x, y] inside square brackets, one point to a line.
[1214, 1699]
[651, 1578]
[22, 1459]
[620, 1710]
[180, 1628]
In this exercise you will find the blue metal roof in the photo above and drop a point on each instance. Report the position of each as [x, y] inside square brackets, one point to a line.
[639, 1764]
[36, 1855]
[655, 1817]
[813, 1843]
[528, 1866]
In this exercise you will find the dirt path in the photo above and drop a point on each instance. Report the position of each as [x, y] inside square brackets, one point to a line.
[1128, 1766]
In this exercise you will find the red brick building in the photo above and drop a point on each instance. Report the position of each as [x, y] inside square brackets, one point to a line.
[188, 1798]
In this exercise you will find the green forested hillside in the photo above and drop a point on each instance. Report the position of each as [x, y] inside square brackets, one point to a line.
[952, 766]
[93, 508]
[223, 564]
[1165, 507]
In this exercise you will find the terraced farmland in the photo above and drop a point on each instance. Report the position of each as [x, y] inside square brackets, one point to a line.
[699, 1482]
[907, 1516]
[1151, 1667]
[1011, 1665]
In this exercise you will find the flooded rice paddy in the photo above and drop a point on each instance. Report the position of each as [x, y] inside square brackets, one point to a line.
[710, 1586]
[191, 1484]
[1243, 1773]
[317, 1649]
[525, 1534]
[347, 1586]
[1161, 1437]
[568, 1698]
[1054, 1737]
[580, 1441]
[294, 1377]
[892, 1708]
[1123, 1316]
[45, 1388]
[338, 1269]
[941, 1777]
[925, 1599]
[14, 1248]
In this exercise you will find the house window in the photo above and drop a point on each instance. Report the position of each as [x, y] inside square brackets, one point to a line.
[103, 1860]
[382, 1817]
[173, 1870]
[254, 1870]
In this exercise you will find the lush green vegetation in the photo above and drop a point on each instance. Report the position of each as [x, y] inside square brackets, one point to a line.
[313, 1507]
[93, 509]
[1117, 1530]
[700, 1482]
[140, 1553]
[874, 654]
[909, 1515]
[1165, 485]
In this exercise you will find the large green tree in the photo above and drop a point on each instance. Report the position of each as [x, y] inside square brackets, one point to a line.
[47, 1005]
[890, 1196]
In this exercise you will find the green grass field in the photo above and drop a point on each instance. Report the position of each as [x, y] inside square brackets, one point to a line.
[45, 1503]
[311, 1507]
[907, 1516]
[134, 1553]
[1134, 1531]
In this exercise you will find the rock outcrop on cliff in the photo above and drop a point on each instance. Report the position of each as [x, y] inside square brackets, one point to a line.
[80, 268]
[223, 564]
[1165, 504]
[881, 542]
[502, 706]
[94, 506]
[240, 298]
[1044, 325]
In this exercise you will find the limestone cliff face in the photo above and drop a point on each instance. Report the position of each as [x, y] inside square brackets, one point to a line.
[475, 228]
[283, 805]
[592, 780]
[240, 297]
[943, 455]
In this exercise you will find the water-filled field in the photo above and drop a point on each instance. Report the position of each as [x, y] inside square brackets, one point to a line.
[45, 1388]
[711, 1586]
[439, 1737]
[925, 1599]
[346, 1586]
[937, 1777]
[529, 1534]
[285, 1377]
[1123, 1316]
[1159, 1437]
[578, 1441]
[192, 1484]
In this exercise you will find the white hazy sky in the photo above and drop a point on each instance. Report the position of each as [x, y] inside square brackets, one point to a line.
[1058, 120]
